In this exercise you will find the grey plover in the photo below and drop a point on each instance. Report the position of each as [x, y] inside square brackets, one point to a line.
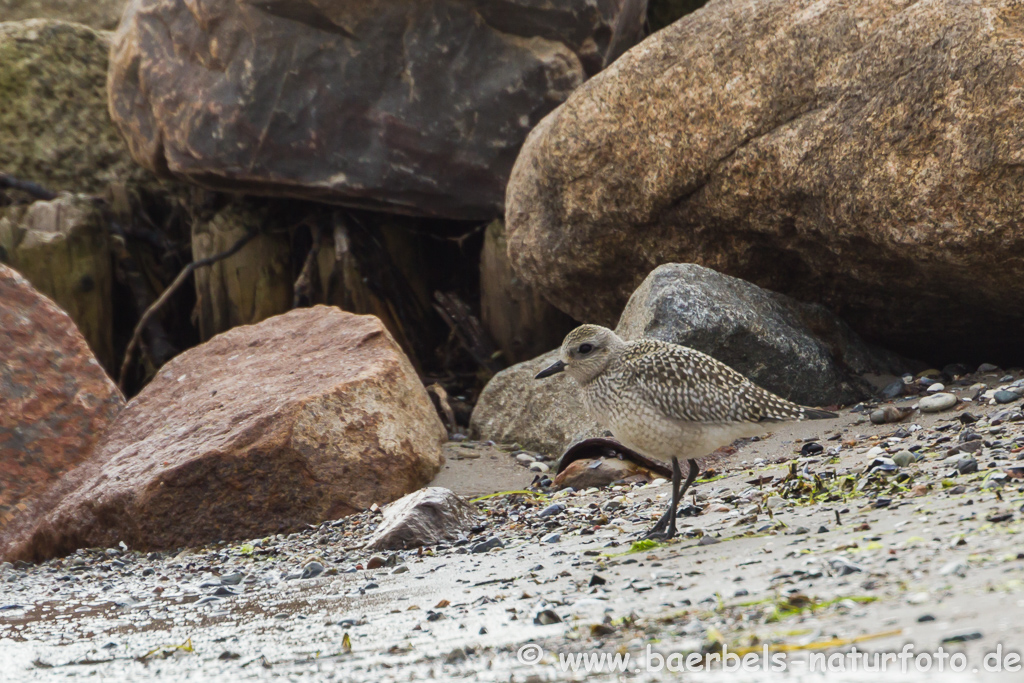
[668, 401]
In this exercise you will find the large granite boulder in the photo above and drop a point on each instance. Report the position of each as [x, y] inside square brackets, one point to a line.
[541, 415]
[61, 247]
[55, 400]
[413, 107]
[864, 155]
[54, 126]
[799, 351]
[307, 416]
[101, 14]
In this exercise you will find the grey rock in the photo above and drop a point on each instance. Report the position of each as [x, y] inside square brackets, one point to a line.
[1005, 396]
[937, 402]
[545, 416]
[489, 544]
[312, 570]
[545, 617]
[800, 351]
[967, 465]
[553, 538]
[232, 579]
[903, 458]
[426, 517]
[708, 539]
[551, 510]
[843, 567]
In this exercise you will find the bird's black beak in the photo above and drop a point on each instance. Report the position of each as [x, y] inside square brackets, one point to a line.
[552, 369]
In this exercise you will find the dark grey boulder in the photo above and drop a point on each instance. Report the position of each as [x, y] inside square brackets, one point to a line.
[800, 351]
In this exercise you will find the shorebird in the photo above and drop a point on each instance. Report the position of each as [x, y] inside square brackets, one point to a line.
[668, 401]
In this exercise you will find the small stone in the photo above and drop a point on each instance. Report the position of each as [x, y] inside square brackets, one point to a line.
[525, 458]
[967, 465]
[611, 505]
[546, 617]
[1005, 396]
[800, 530]
[375, 562]
[935, 387]
[539, 467]
[843, 567]
[553, 538]
[708, 539]
[937, 402]
[232, 579]
[903, 458]
[400, 569]
[987, 367]
[311, 570]
[957, 568]
[148, 571]
[890, 414]
[597, 580]
[456, 655]
[490, 544]
[811, 448]
[962, 637]
[551, 510]
[893, 390]
[925, 617]
[822, 529]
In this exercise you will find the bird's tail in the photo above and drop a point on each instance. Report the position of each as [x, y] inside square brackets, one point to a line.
[815, 414]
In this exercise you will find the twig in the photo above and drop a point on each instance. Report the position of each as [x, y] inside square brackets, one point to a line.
[303, 288]
[37, 191]
[182, 276]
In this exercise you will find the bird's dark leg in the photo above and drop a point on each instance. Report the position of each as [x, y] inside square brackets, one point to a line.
[666, 526]
[690, 476]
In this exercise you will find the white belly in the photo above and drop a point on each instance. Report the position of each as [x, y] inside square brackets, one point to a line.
[645, 429]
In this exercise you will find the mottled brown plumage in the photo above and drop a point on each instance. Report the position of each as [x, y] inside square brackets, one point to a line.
[668, 401]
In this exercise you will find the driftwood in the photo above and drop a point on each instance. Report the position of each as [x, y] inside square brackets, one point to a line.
[182, 276]
[446, 408]
[35, 190]
[306, 284]
[467, 328]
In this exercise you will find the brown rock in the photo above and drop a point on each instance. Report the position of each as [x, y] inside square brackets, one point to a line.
[426, 517]
[55, 400]
[414, 107]
[866, 156]
[307, 416]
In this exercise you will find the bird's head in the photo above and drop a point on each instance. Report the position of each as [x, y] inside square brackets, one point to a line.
[585, 353]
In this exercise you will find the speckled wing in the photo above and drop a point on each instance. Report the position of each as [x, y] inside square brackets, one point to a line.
[691, 386]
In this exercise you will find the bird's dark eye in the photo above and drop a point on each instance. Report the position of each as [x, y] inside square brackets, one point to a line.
[586, 348]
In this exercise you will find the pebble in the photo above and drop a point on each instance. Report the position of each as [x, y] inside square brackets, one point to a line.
[611, 505]
[987, 367]
[1005, 396]
[967, 465]
[525, 458]
[490, 544]
[400, 569]
[937, 402]
[539, 467]
[550, 510]
[843, 567]
[311, 570]
[232, 579]
[903, 458]
[962, 637]
[707, 539]
[546, 617]
[935, 387]
[894, 390]
[553, 538]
